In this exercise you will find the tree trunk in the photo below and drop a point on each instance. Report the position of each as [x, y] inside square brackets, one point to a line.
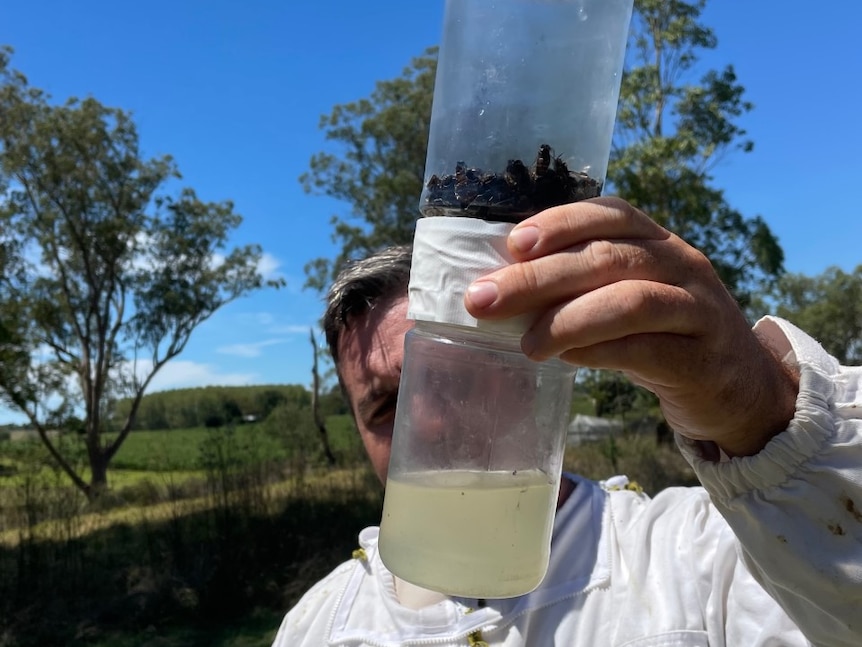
[315, 406]
[98, 476]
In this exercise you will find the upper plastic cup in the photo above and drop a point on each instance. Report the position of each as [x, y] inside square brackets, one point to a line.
[525, 100]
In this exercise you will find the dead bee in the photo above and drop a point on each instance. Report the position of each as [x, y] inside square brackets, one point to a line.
[460, 172]
[560, 167]
[543, 160]
[468, 183]
[517, 174]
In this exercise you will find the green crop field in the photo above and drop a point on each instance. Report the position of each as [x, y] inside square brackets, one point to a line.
[184, 450]
[181, 449]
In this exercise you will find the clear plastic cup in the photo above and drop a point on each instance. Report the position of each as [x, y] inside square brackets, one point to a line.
[525, 100]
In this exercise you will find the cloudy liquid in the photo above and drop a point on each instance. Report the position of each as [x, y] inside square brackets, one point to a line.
[466, 533]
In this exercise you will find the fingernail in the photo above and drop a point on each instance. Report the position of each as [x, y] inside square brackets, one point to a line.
[482, 293]
[524, 238]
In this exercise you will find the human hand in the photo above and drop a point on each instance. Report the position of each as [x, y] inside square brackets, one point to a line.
[614, 290]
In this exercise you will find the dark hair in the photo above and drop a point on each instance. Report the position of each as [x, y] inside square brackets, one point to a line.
[361, 286]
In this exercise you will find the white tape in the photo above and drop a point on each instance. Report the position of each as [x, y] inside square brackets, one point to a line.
[449, 253]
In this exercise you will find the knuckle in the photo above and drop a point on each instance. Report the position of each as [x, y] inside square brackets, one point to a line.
[606, 256]
[528, 280]
[635, 303]
[699, 263]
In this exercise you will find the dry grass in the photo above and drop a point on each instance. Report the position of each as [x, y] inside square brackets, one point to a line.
[652, 465]
[318, 485]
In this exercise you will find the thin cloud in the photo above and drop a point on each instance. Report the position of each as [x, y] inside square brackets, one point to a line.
[268, 267]
[268, 322]
[248, 350]
[178, 374]
[289, 329]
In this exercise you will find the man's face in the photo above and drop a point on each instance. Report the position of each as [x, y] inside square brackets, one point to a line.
[371, 353]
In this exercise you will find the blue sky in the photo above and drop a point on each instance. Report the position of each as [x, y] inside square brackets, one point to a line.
[234, 91]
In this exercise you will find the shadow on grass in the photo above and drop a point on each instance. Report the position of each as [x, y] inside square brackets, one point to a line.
[257, 629]
[224, 576]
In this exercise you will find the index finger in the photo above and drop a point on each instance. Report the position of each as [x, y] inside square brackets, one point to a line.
[559, 228]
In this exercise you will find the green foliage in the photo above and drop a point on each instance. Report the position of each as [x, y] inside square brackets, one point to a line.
[671, 131]
[670, 134]
[296, 432]
[582, 402]
[828, 307]
[288, 434]
[344, 440]
[117, 273]
[159, 574]
[615, 395]
[294, 427]
[162, 451]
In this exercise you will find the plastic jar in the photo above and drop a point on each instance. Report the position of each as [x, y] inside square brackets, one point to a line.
[476, 462]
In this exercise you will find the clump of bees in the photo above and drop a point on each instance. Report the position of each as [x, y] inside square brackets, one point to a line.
[510, 196]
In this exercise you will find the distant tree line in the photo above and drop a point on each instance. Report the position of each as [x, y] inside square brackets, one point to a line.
[217, 406]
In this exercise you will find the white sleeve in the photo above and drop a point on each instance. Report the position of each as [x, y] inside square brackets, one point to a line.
[796, 507]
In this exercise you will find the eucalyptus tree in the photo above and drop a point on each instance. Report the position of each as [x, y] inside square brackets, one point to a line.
[675, 122]
[672, 128]
[106, 274]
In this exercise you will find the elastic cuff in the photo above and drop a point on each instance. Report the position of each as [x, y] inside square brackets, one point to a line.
[811, 429]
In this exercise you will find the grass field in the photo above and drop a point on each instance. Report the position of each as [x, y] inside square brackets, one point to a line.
[210, 535]
[220, 569]
[180, 449]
